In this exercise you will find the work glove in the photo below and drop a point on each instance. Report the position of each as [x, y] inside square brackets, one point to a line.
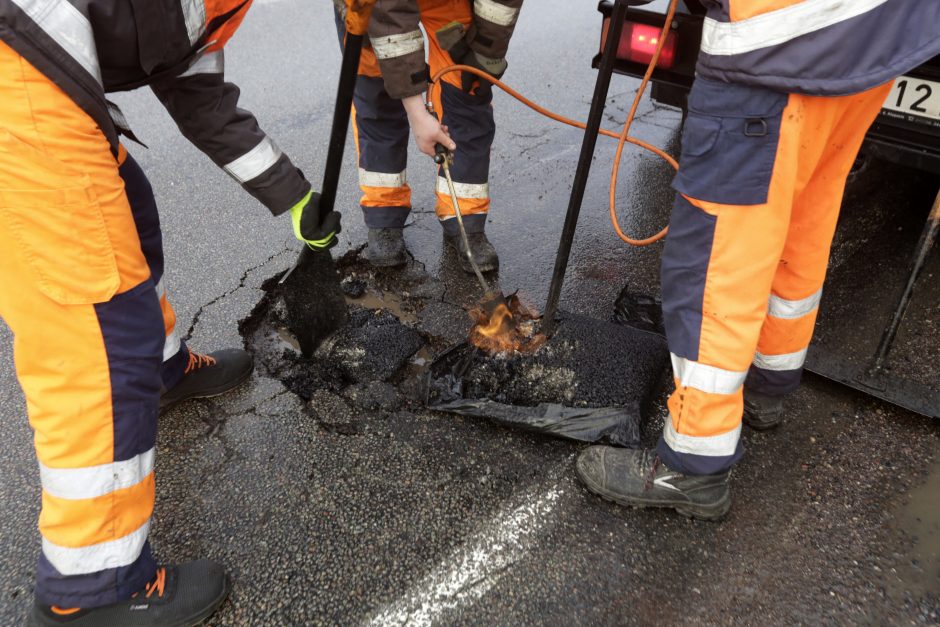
[452, 38]
[311, 227]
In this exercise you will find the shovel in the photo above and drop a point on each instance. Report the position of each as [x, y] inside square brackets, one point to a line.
[316, 304]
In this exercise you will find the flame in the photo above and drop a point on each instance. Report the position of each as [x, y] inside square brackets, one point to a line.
[509, 327]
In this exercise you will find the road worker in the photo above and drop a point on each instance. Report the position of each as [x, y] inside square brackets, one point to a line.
[784, 94]
[389, 97]
[81, 265]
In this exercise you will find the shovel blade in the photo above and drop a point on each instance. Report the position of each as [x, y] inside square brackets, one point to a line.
[316, 305]
[904, 393]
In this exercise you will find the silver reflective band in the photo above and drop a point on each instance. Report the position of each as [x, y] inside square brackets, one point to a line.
[172, 343]
[194, 14]
[793, 309]
[722, 445]
[780, 26]
[393, 46]
[706, 378]
[788, 361]
[254, 162]
[382, 179]
[464, 190]
[95, 481]
[495, 12]
[102, 556]
[68, 28]
[208, 63]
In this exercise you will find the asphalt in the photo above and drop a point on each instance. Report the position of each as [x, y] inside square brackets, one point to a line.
[325, 513]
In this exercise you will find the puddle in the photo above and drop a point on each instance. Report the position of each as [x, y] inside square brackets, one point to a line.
[918, 576]
[387, 301]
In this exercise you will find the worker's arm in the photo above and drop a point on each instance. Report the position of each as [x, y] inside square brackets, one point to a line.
[206, 110]
[493, 24]
[484, 44]
[398, 43]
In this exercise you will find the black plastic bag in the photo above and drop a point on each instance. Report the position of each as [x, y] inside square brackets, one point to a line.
[588, 383]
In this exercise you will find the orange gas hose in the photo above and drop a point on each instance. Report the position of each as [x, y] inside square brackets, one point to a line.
[622, 138]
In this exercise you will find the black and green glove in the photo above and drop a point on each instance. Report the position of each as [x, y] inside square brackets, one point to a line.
[311, 227]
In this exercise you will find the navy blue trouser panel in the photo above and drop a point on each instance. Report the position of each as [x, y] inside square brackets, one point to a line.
[147, 219]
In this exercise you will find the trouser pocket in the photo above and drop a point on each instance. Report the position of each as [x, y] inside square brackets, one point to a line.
[54, 217]
[729, 143]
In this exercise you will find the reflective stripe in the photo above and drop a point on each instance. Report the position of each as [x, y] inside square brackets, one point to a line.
[706, 378]
[254, 162]
[793, 309]
[780, 26]
[495, 12]
[194, 14]
[208, 63]
[722, 445]
[68, 28]
[392, 46]
[382, 179]
[464, 190]
[788, 361]
[95, 481]
[172, 344]
[102, 556]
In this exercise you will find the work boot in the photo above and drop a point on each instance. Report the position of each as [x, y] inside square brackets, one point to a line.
[386, 248]
[181, 596]
[483, 252]
[762, 411]
[638, 477]
[210, 375]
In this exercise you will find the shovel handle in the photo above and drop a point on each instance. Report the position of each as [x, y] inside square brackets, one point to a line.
[352, 50]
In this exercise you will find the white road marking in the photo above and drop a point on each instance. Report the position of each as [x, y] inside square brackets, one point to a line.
[472, 569]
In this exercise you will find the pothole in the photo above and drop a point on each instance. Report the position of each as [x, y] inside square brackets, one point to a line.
[589, 382]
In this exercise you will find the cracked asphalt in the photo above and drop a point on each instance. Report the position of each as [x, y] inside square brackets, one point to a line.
[416, 517]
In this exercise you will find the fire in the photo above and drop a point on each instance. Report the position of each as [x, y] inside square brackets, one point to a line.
[507, 327]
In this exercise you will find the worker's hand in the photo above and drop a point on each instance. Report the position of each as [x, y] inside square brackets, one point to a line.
[427, 130]
[316, 230]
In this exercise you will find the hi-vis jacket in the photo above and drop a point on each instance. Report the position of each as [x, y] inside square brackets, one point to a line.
[817, 47]
[398, 43]
[92, 47]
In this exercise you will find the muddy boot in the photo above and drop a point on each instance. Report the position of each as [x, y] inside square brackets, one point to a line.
[762, 411]
[386, 248]
[181, 595]
[210, 375]
[483, 252]
[639, 478]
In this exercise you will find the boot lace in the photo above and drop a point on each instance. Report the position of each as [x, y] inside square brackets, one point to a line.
[197, 361]
[157, 585]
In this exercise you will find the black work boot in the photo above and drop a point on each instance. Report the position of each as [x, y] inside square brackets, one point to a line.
[762, 411]
[210, 375]
[180, 596]
[639, 478]
[386, 248]
[483, 252]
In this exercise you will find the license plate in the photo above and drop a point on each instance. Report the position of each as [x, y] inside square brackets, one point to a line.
[915, 100]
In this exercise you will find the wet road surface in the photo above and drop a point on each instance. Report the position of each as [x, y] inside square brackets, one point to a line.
[415, 517]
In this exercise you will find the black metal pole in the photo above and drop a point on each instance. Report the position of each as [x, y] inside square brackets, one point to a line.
[352, 50]
[601, 87]
[927, 239]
